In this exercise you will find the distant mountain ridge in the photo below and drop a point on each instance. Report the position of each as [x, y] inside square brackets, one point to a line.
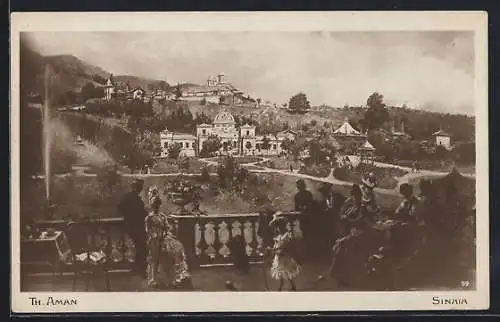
[70, 73]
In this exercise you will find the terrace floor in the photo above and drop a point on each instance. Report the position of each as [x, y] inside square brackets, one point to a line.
[203, 279]
[212, 279]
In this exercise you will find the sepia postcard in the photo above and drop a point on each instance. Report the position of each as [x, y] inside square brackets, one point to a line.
[249, 161]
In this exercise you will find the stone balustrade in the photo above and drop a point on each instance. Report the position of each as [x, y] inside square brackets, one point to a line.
[207, 238]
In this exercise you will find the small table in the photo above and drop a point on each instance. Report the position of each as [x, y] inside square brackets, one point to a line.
[46, 249]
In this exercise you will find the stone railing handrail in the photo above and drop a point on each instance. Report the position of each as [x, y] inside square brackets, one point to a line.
[47, 222]
[206, 238]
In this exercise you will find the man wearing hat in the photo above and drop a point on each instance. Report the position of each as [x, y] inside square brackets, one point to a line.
[134, 213]
[304, 203]
[303, 198]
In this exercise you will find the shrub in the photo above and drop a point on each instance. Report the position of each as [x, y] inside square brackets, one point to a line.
[205, 174]
[320, 170]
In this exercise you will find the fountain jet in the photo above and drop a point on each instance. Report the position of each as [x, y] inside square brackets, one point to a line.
[47, 140]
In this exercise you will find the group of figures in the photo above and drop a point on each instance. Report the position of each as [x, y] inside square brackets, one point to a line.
[160, 256]
[370, 249]
[373, 249]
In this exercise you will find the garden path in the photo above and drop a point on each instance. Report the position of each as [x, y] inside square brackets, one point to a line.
[258, 168]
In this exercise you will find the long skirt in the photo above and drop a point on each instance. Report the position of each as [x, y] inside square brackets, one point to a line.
[166, 262]
[284, 267]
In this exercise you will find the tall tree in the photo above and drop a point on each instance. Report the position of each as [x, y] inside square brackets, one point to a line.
[178, 91]
[210, 146]
[265, 143]
[142, 150]
[299, 103]
[174, 150]
[376, 114]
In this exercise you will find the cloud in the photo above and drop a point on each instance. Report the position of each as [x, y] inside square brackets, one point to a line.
[422, 69]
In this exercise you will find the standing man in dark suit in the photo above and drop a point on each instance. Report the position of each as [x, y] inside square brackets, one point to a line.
[304, 203]
[133, 210]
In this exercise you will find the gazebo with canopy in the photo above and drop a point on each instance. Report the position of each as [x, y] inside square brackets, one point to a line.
[366, 153]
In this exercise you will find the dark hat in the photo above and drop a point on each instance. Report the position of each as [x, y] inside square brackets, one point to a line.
[325, 187]
[300, 183]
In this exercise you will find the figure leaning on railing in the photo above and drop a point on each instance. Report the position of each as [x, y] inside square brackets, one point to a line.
[133, 210]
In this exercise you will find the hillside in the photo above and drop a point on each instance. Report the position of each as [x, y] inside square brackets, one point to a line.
[420, 124]
[144, 83]
[71, 73]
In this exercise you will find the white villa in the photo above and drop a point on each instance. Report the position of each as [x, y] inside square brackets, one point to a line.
[186, 141]
[235, 141]
[241, 140]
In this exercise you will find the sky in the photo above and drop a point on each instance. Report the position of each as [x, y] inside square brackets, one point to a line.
[428, 70]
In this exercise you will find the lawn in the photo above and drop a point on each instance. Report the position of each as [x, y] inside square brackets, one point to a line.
[438, 165]
[321, 171]
[81, 195]
[386, 177]
[238, 159]
[166, 165]
[281, 163]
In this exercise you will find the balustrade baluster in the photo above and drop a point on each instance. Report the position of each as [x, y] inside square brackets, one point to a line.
[224, 238]
[197, 239]
[236, 228]
[258, 239]
[248, 235]
[254, 243]
[203, 245]
[210, 239]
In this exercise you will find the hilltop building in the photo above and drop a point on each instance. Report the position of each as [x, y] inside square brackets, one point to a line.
[112, 90]
[109, 89]
[216, 91]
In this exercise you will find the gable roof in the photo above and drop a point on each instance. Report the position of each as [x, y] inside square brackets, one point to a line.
[440, 133]
[346, 129]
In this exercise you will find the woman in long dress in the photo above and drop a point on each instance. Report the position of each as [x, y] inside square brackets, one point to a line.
[166, 260]
[284, 266]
